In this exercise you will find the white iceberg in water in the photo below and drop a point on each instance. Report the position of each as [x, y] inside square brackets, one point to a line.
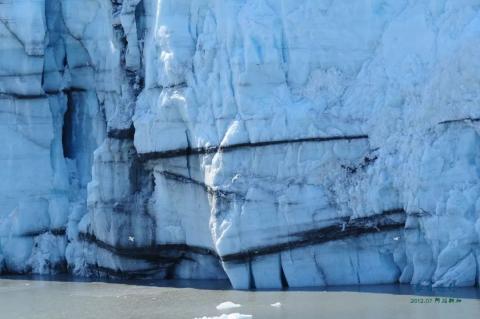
[227, 305]
[228, 316]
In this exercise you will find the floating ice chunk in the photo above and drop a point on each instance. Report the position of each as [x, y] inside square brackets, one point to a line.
[227, 305]
[228, 316]
[396, 238]
[277, 304]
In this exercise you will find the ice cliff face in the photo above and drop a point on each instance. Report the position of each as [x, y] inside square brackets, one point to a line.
[276, 143]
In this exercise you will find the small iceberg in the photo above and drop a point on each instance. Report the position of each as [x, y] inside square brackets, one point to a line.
[277, 304]
[229, 316]
[227, 305]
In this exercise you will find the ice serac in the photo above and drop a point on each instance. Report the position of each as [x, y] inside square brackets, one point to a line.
[277, 143]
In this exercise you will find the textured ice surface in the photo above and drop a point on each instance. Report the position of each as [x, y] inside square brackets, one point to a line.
[278, 143]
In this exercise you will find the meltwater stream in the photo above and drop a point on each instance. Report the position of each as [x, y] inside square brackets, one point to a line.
[63, 297]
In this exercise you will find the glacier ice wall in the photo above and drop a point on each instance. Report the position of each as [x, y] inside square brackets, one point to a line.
[274, 142]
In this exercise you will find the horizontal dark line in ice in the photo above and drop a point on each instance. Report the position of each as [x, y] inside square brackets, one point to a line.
[129, 274]
[207, 188]
[122, 134]
[8, 96]
[156, 253]
[174, 86]
[465, 119]
[227, 148]
[344, 228]
[225, 194]
[341, 229]
[56, 232]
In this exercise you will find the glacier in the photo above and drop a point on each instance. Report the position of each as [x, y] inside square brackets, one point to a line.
[276, 143]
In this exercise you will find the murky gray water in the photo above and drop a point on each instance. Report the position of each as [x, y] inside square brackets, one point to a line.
[22, 297]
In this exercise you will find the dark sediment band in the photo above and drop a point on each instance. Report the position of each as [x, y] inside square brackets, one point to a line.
[67, 90]
[165, 253]
[420, 213]
[345, 228]
[38, 96]
[466, 119]
[122, 134]
[228, 148]
[207, 188]
[175, 86]
[58, 231]
[17, 96]
[180, 85]
[168, 255]
[55, 232]
[129, 274]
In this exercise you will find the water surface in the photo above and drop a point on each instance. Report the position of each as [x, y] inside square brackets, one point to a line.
[52, 298]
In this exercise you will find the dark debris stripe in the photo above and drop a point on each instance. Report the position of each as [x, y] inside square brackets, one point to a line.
[157, 253]
[122, 134]
[56, 232]
[466, 119]
[345, 228]
[207, 188]
[128, 274]
[47, 94]
[228, 148]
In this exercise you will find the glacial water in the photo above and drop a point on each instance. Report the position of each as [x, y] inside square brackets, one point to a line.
[64, 297]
